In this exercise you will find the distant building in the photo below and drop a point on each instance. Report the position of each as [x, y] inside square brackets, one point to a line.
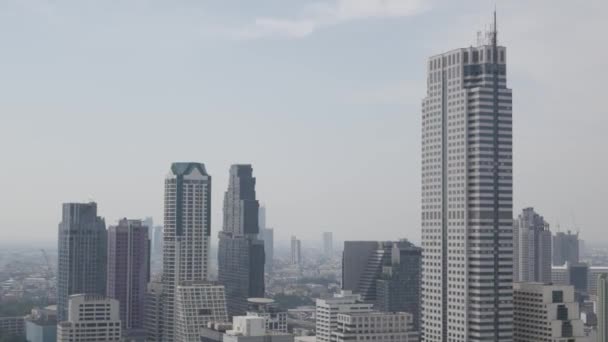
[267, 235]
[276, 320]
[602, 308]
[196, 305]
[90, 318]
[41, 325]
[12, 325]
[327, 311]
[82, 254]
[296, 251]
[565, 248]
[375, 326]
[240, 253]
[544, 312]
[153, 321]
[398, 287]
[129, 272]
[355, 259]
[531, 248]
[328, 244]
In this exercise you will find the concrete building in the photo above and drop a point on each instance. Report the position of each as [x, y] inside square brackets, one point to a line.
[398, 287]
[296, 251]
[267, 236]
[240, 253]
[129, 272]
[91, 318]
[187, 231]
[81, 254]
[359, 256]
[327, 311]
[196, 305]
[328, 244]
[243, 329]
[546, 313]
[602, 307]
[276, 320]
[531, 248]
[467, 196]
[565, 248]
[12, 326]
[153, 309]
[581, 275]
[375, 326]
[41, 325]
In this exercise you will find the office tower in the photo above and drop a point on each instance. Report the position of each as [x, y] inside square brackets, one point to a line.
[81, 254]
[240, 252]
[327, 311]
[602, 308]
[276, 319]
[375, 326]
[531, 248]
[544, 312]
[129, 272]
[565, 248]
[267, 235]
[467, 193]
[362, 265]
[328, 244]
[296, 251]
[196, 304]
[187, 231]
[398, 287]
[153, 322]
[90, 318]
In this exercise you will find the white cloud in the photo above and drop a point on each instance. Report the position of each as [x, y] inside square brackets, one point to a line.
[323, 14]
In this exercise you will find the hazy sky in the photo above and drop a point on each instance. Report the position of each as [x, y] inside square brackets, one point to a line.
[323, 97]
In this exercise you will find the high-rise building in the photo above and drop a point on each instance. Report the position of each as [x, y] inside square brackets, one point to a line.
[398, 287]
[296, 251]
[187, 232]
[546, 313]
[327, 311]
[328, 244]
[375, 326]
[267, 235]
[362, 266]
[197, 304]
[90, 318]
[153, 321]
[565, 248]
[531, 248]
[467, 194]
[240, 252]
[602, 308]
[129, 272]
[82, 254]
[572, 274]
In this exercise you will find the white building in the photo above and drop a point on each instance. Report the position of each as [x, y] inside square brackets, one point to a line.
[327, 311]
[375, 326]
[91, 318]
[276, 320]
[243, 329]
[546, 313]
[467, 196]
[197, 304]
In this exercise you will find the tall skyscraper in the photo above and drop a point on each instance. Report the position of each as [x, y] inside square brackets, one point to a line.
[82, 254]
[187, 231]
[602, 308]
[240, 252]
[296, 251]
[129, 272]
[531, 248]
[267, 235]
[362, 265]
[467, 193]
[328, 244]
[565, 248]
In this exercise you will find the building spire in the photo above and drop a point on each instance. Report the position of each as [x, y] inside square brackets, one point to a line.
[495, 30]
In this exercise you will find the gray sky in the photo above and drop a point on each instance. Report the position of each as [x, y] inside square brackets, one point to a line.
[323, 97]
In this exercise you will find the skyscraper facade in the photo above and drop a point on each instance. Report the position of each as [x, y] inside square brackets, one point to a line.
[328, 244]
[90, 318]
[467, 191]
[362, 265]
[565, 248]
[602, 308]
[267, 235]
[296, 251]
[81, 254]
[187, 232]
[129, 272]
[531, 248]
[240, 252]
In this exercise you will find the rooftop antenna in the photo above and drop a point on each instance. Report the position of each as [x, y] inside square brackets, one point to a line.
[495, 31]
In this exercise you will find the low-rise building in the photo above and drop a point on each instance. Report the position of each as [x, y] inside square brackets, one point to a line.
[90, 318]
[276, 320]
[375, 326]
[12, 325]
[41, 325]
[243, 329]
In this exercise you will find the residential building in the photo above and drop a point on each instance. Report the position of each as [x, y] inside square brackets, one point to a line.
[81, 254]
[240, 253]
[196, 305]
[565, 248]
[375, 326]
[467, 196]
[187, 230]
[398, 287]
[153, 322]
[327, 311]
[296, 251]
[328, 244]
[546, 313]
[531, 248]
[602, 308]
[129, 272]
[276, 319]
[91, 318]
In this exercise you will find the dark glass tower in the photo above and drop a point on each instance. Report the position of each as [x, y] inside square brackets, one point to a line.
[81, 254]
[241, 253]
